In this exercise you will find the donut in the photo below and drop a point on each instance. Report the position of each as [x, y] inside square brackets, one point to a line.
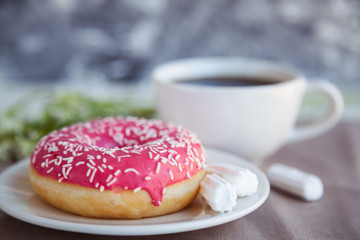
[118, 167]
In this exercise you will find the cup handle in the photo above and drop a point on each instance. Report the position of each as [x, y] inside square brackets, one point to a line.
[321, 125]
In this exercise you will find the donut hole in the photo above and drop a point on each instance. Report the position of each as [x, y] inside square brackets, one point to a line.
[110, 141]
[119, 133]
[122, 137]
[107, 142]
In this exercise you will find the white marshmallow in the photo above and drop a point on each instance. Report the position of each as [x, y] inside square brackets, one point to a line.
[218, 193]
[243, 180]
[296, 182]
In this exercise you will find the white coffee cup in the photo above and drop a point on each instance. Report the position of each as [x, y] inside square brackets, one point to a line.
[251, 121]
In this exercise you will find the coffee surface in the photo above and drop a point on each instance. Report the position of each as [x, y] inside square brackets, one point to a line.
[226, 81]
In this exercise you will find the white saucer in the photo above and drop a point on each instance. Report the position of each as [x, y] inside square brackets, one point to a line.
[18, 199]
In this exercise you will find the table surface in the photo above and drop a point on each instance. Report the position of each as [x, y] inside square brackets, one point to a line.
[334, 157]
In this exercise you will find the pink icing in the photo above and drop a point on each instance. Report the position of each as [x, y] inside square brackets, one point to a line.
[129, 153]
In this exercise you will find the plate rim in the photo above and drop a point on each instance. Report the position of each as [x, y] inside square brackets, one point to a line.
[132, 230]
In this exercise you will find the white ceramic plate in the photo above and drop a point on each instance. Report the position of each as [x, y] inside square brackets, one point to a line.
[18, 199]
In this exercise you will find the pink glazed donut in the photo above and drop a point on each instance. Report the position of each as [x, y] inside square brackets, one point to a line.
[118, 168]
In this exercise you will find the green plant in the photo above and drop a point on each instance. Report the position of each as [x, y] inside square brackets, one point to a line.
[19, 132]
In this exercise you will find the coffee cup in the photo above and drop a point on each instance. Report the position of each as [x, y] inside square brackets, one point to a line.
[248, 107]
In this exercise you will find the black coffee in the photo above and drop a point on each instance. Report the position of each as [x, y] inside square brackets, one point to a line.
[229, 81]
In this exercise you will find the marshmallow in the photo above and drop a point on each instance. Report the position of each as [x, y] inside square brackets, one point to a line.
[218, 193]
[296, 182]
[243, 180]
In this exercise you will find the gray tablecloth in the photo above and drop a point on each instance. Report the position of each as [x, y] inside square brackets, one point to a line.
[335, 157]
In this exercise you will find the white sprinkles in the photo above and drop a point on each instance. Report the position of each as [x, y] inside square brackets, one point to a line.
[72, 160]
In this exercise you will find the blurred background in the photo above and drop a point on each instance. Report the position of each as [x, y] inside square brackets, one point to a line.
[53, 53]
[101, 44]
